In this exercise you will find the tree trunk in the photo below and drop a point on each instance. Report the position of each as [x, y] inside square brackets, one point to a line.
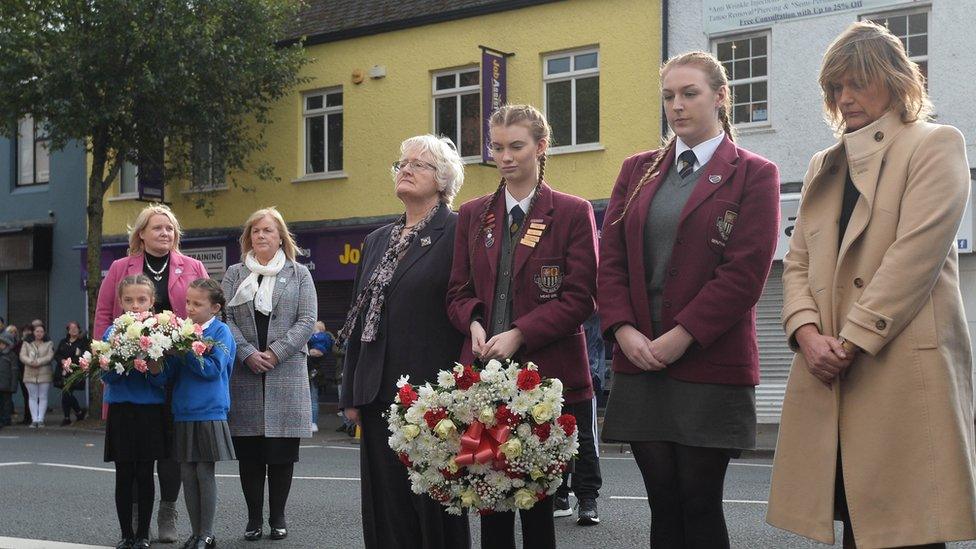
[98, 183]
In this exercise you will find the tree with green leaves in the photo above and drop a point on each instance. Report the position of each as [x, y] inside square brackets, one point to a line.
[181, 88]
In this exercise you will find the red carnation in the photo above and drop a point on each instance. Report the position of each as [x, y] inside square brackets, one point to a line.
[449, 475]
[542, 431]
[407, 395]
[540, 496]
[486, 512]
[466, 378]
[528, 380]
[404, 459]
[567, 422]
[505, 416]
[433, 417]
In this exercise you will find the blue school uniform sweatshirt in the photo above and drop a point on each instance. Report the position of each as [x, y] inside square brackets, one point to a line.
[201, 390]
[134, 387]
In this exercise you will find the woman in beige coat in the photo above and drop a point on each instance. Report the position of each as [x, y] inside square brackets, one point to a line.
[877, 425]
[36, 356]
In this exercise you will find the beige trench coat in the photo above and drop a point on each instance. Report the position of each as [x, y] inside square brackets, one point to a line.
[903, 415]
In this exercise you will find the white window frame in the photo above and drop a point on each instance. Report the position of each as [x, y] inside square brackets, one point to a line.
[456, 92]
[571, 76]
[323, 112]
[751, 80]
[37, 147]
[927, 10]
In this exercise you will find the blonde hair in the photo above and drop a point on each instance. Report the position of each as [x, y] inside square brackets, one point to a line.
[142, 221]
[717, 79]
[868, 53]
[287, 239]
[449, 168]
[539, 129]
[136, 280]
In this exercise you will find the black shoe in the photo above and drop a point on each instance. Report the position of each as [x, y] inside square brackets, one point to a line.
[80, 416]
[587, 515]
[65, 421]
[278, 533]
[560, 506]
[124, 543]
[341, 428]
[191, 542]
[208, 542]
[254, 535]
[141, 544]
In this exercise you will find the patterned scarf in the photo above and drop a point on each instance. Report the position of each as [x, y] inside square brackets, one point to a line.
[373, 293]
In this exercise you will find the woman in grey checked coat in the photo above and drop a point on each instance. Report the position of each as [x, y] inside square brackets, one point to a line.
[271, 311]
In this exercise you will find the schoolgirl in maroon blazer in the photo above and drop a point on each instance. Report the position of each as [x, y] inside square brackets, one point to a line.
[524, 281]
[686, 247]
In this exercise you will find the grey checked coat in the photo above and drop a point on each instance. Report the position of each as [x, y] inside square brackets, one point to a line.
[279, 407]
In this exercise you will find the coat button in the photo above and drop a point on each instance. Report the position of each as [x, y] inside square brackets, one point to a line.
[878, 136]
[833, 169]
[881, 324]
[681, 240]
[673, 272]
[666, 304]
[858, 283]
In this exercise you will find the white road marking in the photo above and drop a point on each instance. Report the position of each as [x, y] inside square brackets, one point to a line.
[16, 463]
[9, 437]
[643, 498]
[82, 467]
[731, 463]
[20, 543]
[356, 448]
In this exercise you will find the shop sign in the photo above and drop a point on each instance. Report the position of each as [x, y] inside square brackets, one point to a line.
[720, 16]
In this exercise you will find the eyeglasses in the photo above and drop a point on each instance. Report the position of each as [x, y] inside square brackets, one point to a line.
[414, 164]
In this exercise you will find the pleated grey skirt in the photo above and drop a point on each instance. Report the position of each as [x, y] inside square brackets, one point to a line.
[197, 441]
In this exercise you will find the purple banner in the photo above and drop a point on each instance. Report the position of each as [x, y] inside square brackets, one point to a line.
[494, 92]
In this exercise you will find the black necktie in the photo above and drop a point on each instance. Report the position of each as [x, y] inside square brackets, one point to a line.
[686, 163]
[517, 217]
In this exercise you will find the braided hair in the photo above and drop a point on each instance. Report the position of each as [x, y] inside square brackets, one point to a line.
[214, 293]
[538, 126]
[717, 79]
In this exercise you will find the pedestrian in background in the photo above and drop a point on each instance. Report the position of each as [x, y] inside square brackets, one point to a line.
[686, 247]
[9, 377]
[72, 346]
[36, 356]
[319, 349]
[877, 425]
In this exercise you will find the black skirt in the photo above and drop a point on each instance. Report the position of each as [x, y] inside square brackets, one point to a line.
[270, 451]
[136, 432]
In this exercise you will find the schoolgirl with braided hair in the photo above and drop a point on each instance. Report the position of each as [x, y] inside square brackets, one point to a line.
[686, 247]
[523, 282]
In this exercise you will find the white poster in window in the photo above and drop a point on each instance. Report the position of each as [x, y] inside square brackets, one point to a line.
[730, 15]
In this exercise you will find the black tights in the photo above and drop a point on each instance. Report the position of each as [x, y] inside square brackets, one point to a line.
[684, 489]
[130, 476]
[279, 484]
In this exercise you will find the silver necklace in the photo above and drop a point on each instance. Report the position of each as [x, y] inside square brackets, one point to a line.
[157, 275]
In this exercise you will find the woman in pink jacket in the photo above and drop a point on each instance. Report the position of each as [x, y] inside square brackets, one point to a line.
[154, 250]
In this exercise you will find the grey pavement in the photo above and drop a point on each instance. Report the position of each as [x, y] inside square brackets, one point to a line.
[55, 486]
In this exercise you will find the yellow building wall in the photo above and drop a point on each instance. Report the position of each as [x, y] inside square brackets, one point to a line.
[379, 114]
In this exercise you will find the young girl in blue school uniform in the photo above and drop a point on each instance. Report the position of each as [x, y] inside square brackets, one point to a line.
[134, 436]
[201, 399]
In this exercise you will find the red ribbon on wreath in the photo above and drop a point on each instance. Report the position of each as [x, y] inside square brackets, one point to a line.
[481, 444]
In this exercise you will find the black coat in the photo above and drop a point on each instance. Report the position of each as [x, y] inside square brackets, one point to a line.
[9, 371]
[415, 336]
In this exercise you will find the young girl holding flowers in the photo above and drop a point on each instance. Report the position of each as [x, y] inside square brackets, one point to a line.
[201, 399]
[134, 436]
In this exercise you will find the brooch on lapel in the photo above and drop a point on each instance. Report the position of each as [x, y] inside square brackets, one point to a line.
[715, 179]
[425, 241]
[282, 279]
[178, 270]
[487, 229]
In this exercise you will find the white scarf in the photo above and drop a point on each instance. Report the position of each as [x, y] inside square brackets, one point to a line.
[250, 290]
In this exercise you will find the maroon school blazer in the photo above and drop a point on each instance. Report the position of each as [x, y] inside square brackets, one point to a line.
[721, 258]
[553, 284]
